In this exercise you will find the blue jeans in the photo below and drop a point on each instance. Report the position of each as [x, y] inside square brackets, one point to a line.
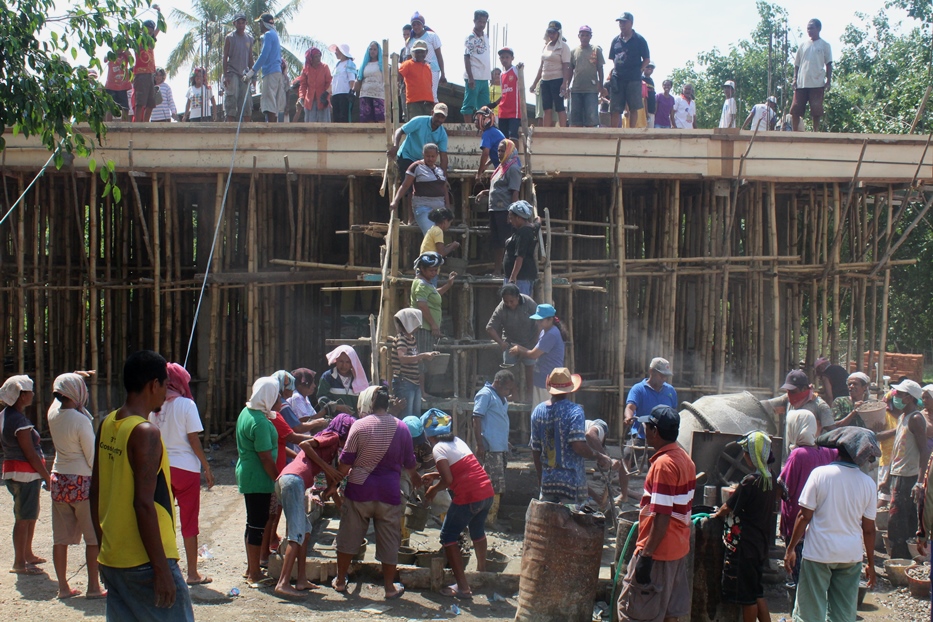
[524, 287]
[421, 217]
[460, 516]
[131, 595]
[411, 392]
[584, 109]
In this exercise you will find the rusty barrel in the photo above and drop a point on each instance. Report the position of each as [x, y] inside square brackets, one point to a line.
[560, 564]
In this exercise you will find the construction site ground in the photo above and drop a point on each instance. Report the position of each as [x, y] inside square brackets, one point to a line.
[222, 521]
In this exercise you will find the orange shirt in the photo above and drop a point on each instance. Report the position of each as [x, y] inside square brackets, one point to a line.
[669, 488]
[417, 81]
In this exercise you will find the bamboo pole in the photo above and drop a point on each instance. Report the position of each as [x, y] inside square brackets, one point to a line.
[93, 252]
[885, 294]
[215, 336]
[20, 250]
[775, 289]
[251, 295]
[833, 259]
[156, 265]
[38, 315]
[571, 358]
[354, 218]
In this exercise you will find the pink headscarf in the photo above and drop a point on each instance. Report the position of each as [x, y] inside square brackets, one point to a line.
[360, 382]
[177, 383]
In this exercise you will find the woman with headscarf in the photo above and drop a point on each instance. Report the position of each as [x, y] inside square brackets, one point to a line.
[460, 471]
[180, 424]
[426, 297]
[370, 86]
[378, 447]
[844, 405]
[503, 191]
[23, 469]
[553, 74]
[317, 456]
[804, 456]
[288, 441]
[407, 380]
[314, 89]
[256, 472]
[747, 515]
[72, 434]
[343, 382]
[520, 257]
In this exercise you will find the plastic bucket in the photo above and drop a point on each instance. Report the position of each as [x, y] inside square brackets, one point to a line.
[416, 517]
[896, 570]
[406, 555]
[438, 364]
[496, 561]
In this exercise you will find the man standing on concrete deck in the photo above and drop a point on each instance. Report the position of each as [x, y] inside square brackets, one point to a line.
[630, 56]
[684, 112]
[654, 584]
[908, 463]
[477, 66]
[762, 116]
[558, 442]
[238, 58]
[729, 110]
[813, 75]
[650, 392]
[270, 62]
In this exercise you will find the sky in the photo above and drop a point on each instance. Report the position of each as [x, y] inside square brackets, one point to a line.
[676, 30]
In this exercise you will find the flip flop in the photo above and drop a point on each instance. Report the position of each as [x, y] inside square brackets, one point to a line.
[202, 581]
[71, 594]
[453, 592]
[339, 590]
[399, 590]
[99, 596]
[28, 570]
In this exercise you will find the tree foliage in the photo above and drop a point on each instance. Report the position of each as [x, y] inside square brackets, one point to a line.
[212, 20]
[41, 93]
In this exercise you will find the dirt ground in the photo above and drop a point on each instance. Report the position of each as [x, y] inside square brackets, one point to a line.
[222, 521]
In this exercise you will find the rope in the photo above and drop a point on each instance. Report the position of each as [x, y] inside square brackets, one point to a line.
[220, 219]
[32, 183]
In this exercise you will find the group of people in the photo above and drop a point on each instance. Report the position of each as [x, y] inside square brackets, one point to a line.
[355, 90]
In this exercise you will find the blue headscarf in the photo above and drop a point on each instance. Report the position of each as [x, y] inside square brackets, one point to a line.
[366, 59]
[436, 422]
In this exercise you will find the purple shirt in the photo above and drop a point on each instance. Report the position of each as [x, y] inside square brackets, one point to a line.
[800, 463]
[377, 449]
[662, 114]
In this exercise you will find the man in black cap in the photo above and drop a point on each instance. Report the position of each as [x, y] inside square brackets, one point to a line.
[800, 395]
[270, 62]
[657, 572]
[238, 58]
[630, 57]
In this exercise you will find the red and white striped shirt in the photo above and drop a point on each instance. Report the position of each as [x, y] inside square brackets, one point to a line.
[669, 488]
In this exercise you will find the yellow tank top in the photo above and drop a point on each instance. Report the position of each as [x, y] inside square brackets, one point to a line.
[121, 546]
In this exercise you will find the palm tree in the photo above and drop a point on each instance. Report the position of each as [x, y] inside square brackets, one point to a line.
[211, 20]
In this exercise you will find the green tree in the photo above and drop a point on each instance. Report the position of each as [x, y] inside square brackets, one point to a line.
[211, 20]
[41, 93]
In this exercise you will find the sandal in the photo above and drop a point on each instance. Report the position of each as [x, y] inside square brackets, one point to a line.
[201, 581]
[399, 590]
[97, 596]
[453, 592]
[71, 594]
[340, 590]
[28, 570]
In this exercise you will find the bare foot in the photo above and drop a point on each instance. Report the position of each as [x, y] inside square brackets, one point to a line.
[96, 595]
[306, 585]
[35, 560]
[68, 593]
[288, 591]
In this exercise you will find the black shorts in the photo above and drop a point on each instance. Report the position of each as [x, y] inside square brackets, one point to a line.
[120, 98]
[551, 99]
[741, 579]
[257, 515]
[499, 229]
[510, 127]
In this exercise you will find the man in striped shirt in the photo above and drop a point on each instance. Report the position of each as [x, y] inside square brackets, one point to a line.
[653, 588]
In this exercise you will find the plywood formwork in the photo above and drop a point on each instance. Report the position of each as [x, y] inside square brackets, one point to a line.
[735, 256]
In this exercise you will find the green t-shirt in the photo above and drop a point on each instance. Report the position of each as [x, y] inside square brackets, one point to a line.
[254, 433]
[422, 290]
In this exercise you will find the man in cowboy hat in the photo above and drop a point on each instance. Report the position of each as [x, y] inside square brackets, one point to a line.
[558, 442]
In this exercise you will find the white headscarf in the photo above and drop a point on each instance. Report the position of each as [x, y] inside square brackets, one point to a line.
[13, 386]
[74, 388]
[410, 319]
[360, 382]
[801, 429]
[265, 396]
[859, 376]
[364, 403]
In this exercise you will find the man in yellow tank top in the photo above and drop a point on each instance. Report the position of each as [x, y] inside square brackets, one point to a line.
[132, 505]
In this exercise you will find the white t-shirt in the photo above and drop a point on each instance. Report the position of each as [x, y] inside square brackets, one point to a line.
[344, 74]
[840, 495]
[197, 96]
[812, 58]
[477, 48]
[177, 419]
[729, 112]
[434, 43]
[762, 115]
[453, 452]
[684, 112]
[373, 85]
[599, 430]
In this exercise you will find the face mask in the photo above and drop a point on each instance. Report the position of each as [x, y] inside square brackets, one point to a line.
[898, 403]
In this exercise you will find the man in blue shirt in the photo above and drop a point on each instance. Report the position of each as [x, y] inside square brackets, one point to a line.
[270, 63]
[650, 392]
[418, 132]
[489, 143]
[491, 430]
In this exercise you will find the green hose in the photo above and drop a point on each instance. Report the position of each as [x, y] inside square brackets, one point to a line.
[628, 540]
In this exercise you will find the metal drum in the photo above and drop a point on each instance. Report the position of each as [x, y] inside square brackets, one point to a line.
[560, 564]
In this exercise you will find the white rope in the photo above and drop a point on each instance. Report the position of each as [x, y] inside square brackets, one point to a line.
[220, 219]
[32, 183]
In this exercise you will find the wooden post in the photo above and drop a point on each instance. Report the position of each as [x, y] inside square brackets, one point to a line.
[776, 328]
[215, 337]
[571, 359]
[621, 299]
[156, 266]
[20, 283]
[93, 251]
[885, 294]
[354, 219]
[252, 306]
